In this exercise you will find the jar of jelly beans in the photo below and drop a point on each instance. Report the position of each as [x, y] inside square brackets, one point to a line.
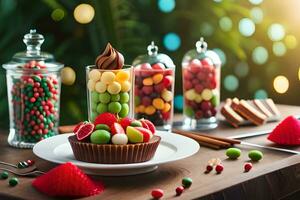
[154, 87]
[33, 88]
[201, 87]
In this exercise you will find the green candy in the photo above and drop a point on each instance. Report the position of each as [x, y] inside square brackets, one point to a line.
[188, 111]
[94, 97]
[102, 127]
[137, 100]
[215, 100]
[104, 97]
[100, 137]
[136, 123]
[255, 155]
[93, 116]
[94, 106]
[114, 107]
[124, 97]
[233, 153]
[13, 181]
[4, 175]
[124, 110]
[101, 108]
[186, 182]
[115, 97]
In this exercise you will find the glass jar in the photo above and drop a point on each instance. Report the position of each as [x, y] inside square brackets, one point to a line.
[201, 87]
[109, 91]
[154, 88]
[33, 88]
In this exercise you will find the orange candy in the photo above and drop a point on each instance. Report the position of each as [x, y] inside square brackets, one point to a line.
[157, 78]
[158, 103]
[166, 108]
[150, 110]
[148, 81]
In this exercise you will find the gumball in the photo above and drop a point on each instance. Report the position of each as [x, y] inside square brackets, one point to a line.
[187, 75]
[147, 90]
[187, 85]
[187, 182]
[207, 94]
[206, 62]
[108, 77]
[199, 88]
[120, 139]
[190, 94]
[168, 80]
[247, 166]
[158, 66]
[157, 193]
[91, 85]
[125, 86]
[205, 105]
[219, 168]
[94, 75]
[114, 87]
[122, 76]
[100, 87]
[179, 190]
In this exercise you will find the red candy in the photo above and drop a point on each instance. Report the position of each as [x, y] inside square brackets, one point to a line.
[179, 190]
[167, 81]
[209, 168]
[247, 166]
[157, 193]
[158, 66]
[219, 168]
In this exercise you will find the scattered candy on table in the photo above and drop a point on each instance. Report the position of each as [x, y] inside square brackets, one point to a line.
[219, 168]
[179, 190]
[247, 166]
[4, 175]
[233, 153]
[186, 182]
[13, 181]
[255, 155]
[209, 168]
[157, 193]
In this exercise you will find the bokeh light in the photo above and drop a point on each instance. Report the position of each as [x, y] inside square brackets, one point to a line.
[255, 2]
[225, 23]
[281, 84]
[253, 83]
[231, 83]
[279, 48]
[257, 15]
[276, 32]
[241, 69]
[207, 29]
[261, 94]
[57, 14]
[166, 5]
[171, 41]
[68, 76]
[178, 102]
[260, 55]
[221, 54]
[290, 41]
[246, 27]
[84, 13]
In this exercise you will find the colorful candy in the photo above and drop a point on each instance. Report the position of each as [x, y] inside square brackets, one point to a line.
[247, 166]
[157, 193]
[4, 175]
[119, 139]
[255, 155]
[219, 168]
[186, 182]
[233, 153]
[154, 92]
[179, 190]
[109, 92]
[36, 103]
[100, 137]
[13, 181]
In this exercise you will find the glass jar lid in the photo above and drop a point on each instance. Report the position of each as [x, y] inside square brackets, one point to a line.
[33, 42]
[201, 52]
[154, 57]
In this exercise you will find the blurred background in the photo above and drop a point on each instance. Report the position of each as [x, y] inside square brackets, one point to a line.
[257, 40]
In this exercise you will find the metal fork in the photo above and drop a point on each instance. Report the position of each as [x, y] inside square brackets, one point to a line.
[30, 173]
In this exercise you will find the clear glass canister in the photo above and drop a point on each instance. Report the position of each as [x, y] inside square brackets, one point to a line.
[154, 87]
[109, 91]
[201, 87]
[33, 88]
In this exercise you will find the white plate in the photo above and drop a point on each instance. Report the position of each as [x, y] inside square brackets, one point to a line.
[171, 148]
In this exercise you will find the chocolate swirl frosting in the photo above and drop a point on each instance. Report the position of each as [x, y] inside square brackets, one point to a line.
[110, 59]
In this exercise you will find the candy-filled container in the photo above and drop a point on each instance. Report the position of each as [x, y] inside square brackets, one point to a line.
[154, 87]
[201, 87]
[33, 88]
[109, 85]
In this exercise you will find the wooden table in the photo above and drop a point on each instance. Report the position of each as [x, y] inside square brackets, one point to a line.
[277, 176]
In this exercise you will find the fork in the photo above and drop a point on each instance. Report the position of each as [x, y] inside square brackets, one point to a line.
[30, 173]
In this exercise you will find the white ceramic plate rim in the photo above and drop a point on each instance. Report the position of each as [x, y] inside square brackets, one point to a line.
[185, 146]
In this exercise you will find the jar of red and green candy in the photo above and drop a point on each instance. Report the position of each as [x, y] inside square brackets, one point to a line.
[33, 88]
[154, 87]
[201, 87]
[109, 85]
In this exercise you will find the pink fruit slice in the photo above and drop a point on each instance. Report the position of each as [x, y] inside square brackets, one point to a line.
[144, 124]
[147, 135]
[84, 131]
[77, 127]
[116, 128]
[150, 125]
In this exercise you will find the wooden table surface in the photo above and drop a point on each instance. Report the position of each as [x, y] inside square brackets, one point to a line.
[277, 176]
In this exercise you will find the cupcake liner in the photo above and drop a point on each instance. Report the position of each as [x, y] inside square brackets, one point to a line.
[114, 154]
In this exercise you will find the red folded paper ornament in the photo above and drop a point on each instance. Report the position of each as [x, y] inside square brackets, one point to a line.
[67, 180]
[287, 132]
